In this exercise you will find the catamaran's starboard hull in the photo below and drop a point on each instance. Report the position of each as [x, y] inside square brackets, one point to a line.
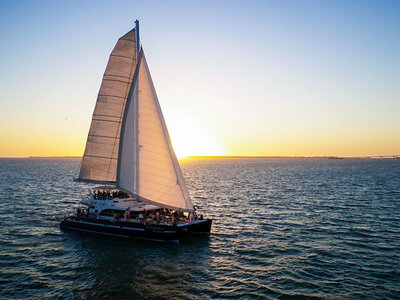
[136, 230]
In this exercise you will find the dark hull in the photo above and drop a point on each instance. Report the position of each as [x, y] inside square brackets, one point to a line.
[136, 230]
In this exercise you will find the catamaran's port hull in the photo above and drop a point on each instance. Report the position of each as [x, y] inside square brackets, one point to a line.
[136, 230]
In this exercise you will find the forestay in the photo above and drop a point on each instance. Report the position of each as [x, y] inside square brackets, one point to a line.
[99, 163]
[148, 166]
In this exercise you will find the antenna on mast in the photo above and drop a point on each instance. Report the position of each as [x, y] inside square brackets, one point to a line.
[137, 38]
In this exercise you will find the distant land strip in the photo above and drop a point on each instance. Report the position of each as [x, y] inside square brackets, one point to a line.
[54, 156]
[396, 156]
[67, 156]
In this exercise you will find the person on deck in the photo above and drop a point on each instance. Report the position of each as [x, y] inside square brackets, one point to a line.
[141, 218]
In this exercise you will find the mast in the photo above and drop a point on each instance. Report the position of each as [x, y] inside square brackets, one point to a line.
[137, 145]
[137, 39]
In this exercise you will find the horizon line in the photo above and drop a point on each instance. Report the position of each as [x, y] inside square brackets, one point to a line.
[233, 156]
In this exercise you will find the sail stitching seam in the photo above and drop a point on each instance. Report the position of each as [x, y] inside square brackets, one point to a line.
[116, 55]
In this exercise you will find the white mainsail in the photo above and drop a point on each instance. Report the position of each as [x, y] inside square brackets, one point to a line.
[99, 163]
[147, 164]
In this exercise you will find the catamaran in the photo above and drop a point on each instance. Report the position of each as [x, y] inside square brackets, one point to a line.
[141, 191]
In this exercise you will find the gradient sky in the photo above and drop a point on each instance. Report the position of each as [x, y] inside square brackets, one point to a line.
[233, 77]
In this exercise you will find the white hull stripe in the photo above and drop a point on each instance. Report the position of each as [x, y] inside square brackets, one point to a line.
[124, 236]
[104, 225]
[105, 233]
[114, 226]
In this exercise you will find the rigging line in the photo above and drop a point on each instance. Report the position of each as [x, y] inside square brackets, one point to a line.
[77, 171]
[94, 181]
[97, 156]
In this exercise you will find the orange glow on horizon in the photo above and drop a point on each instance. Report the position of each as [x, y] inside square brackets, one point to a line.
[189, 138]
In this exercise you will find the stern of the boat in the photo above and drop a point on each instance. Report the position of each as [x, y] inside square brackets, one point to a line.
[201, 227]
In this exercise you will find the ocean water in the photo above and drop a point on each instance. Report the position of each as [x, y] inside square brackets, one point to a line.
[283, 228]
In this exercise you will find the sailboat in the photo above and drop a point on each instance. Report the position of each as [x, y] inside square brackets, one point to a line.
[140, 192]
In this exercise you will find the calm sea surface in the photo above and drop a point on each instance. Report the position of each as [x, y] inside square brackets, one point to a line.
[283, 228]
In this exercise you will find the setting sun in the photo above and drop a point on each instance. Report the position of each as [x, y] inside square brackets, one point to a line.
[191, 138]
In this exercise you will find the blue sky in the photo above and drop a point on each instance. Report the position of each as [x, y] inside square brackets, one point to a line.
[248, 77]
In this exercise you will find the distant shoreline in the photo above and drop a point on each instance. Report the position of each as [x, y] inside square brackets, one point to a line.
[40, 157]
[308, 157]
[229, 157]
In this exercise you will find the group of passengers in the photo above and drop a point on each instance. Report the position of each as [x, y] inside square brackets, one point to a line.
[163, 216]
[81, 212]
[107, 195]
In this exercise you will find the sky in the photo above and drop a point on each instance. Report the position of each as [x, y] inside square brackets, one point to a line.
[286, 78]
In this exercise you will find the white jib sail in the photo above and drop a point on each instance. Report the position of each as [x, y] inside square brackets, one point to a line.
[99, 163]
[148, 166]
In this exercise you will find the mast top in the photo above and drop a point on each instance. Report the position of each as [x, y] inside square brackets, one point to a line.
[137, 36]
